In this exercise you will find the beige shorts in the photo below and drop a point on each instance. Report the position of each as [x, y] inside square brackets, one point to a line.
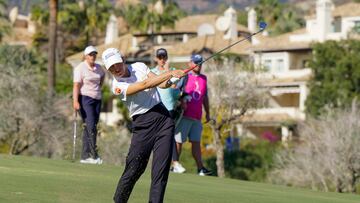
[188, 128]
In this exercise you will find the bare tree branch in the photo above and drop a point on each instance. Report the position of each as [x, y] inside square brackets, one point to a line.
[233, 90]
[327, 156]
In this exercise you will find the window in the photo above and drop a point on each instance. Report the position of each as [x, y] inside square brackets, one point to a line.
[172, 38]
[356, 26]
[305, 63]
[280, 66]
[267, 65]
[337, 24]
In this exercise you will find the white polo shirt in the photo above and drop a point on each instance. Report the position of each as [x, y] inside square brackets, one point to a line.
[142, 101]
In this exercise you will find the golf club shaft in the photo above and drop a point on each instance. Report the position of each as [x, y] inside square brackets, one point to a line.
[222, 50]
[174, 79]
[74, 136]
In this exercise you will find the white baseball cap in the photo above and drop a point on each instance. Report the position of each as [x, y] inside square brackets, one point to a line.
[111, 56]
[89, 50]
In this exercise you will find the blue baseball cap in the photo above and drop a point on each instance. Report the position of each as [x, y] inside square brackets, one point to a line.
[197, 59]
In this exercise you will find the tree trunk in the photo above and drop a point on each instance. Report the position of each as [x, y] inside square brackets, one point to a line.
[339, 186]
[13, 146]
[353, 182]
[219, 154]
[60, 47]
[52, 46]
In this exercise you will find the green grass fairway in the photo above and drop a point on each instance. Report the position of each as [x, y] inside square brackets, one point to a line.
[27, 179]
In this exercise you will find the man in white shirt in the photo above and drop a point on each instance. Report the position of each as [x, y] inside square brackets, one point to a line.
[153, 128]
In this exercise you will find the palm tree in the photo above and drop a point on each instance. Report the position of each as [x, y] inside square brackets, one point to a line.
[281, 17]
[146, 18]
[151, 18]
[97, 13]
[86, 19]
[289, 21]
[78, 24]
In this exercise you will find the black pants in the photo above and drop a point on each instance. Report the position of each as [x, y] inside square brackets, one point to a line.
[152, 131]
[175, 156]
[90, 113]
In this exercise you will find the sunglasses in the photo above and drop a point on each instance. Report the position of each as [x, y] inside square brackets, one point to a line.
[93, 54]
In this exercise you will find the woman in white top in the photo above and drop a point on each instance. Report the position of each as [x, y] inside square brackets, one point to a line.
[88, 79]
[152, 127]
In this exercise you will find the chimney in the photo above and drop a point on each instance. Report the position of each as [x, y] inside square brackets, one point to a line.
[323, 18]
[13, 14]
[111, 30]
[252, 20]
[31, 25]
[231, 33]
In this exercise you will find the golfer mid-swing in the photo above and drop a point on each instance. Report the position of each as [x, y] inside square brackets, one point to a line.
[152, 128]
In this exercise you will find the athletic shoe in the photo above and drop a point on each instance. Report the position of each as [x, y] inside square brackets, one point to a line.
[99, 160]
[204, 172]
[178, 168]
[89, 161]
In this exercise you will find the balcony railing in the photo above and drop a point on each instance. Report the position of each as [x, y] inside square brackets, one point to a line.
[292, 112]
[298, 73]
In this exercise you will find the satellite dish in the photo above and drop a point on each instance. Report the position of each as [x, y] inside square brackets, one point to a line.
[223, 23]
[205, 29]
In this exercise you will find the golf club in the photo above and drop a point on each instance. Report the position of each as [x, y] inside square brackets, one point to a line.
[74, 136]
[262, 26]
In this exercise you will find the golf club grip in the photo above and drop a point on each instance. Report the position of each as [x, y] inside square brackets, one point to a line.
[175, 80]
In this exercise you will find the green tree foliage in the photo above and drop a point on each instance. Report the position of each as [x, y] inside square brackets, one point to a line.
[252, 162]
[280, 17]
[242, 17]
[79, 24]
[5, 27]
[87, 21]
[336, 81]
[64, 83]
[143, 18]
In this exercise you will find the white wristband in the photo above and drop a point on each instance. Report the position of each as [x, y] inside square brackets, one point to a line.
[174, 80]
